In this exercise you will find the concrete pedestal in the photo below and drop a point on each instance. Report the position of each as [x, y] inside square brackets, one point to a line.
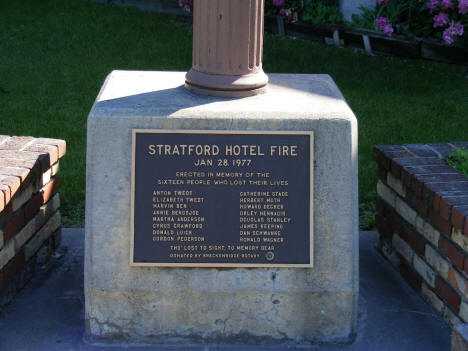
[241, 305]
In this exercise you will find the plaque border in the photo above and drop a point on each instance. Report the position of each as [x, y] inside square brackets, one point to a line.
[220, 265]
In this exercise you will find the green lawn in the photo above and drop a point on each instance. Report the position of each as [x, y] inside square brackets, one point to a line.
[55, 54]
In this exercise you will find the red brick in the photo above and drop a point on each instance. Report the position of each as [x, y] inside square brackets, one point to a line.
[383, 227]
[444, 149]
[5, 215]
[459, 215]
[445, 209]
[458, 282]
[416, 202]
[12, 182]
[395, 168]
[61, 145]
[44, 162]
[32, 206]
[402, 153]
[419, 161]
[383, 161]
[436, 205]
[410, 275]
[465, 265]
[384, 153]
[13, 225]
[465, 232]
[453, 187]
[14, 162]
[41, 157]
[50, 149]
[5, 192]
[441, 178]
[382, 173]
[461, 200]
[414, 240]
[13, 267]
[430, 169]
[406, 177]
[395, 220]
[441, 224]
[420, 150]
[416, 186]
[19, 172]
[449, 250]
[380, 206]
[50, 189]
[447, 293]
[16, 143]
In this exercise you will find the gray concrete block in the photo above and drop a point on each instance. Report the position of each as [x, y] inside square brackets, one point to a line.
[254, 305]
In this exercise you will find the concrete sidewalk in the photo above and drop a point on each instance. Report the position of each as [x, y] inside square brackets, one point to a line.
[48, 314]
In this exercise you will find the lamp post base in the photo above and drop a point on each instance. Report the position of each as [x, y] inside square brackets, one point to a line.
[224, 85]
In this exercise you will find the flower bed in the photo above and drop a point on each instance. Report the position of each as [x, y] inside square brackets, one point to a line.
[422, 217]
[377, 42]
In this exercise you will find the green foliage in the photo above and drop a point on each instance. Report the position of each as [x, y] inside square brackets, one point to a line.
[366, 19]
[459, 161]
[318, 12]
[367, 216]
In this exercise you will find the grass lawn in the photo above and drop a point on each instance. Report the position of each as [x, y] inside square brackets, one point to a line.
[55, 54]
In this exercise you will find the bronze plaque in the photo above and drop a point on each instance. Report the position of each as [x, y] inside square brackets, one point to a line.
[222, 198]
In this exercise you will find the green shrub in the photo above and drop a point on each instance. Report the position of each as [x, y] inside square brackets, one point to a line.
[459, 161]
[320, 12]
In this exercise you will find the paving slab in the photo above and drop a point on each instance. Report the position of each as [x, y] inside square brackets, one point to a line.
[48, 314]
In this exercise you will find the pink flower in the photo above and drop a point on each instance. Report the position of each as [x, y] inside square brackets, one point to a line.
[380, 2]
[432, 5]
[463, 6]
[388, 29]
[457, 28]
[446, 4]
[186, 8]
[448, 38]
[451, 33]
[283, 12]
[441, 20]
[278, 2]
[381, 22]
[384, 26]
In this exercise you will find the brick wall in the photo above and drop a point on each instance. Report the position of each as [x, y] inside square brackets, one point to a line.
[422, 218]
[29, 208]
